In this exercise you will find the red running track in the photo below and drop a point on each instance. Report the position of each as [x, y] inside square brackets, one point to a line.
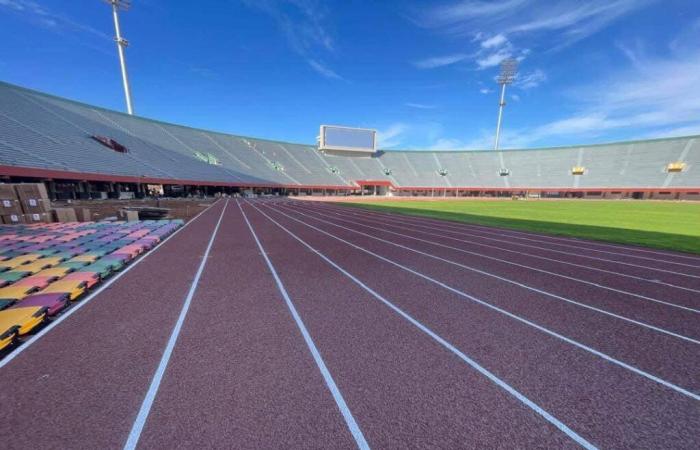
[270, 324]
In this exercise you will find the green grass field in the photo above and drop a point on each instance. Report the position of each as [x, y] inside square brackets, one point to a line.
[664, 225]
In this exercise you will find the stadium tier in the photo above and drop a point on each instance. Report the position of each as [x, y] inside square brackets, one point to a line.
[45, 267]
[45, 137]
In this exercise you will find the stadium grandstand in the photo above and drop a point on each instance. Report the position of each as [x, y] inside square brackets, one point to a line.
[46, 138]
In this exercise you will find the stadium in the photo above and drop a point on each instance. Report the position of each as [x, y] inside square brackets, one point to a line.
[168, 286]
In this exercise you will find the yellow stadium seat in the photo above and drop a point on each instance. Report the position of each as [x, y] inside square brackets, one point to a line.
[73, 287]
[677, 166]
[23, 319]
[19, 260]
[7, 337]
[16, 292]
[55, 272]
[88, 258]
[34, 267]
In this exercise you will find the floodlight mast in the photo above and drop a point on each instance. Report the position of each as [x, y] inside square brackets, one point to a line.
[121, 46]
[509, 70]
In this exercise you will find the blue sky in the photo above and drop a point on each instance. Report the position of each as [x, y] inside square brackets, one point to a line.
[421, 72]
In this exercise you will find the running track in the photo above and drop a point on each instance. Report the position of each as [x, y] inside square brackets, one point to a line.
[287, 324]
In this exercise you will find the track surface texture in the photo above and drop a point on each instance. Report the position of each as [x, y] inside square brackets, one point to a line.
[288, 324]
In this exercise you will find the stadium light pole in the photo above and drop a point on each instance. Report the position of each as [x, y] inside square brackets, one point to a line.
[509, 69]
[121, 46]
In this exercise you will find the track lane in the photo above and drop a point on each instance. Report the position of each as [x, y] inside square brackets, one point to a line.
[625, 249]
[674, 360]
[602, 401]
[405, 390]
[80, 385]
[645, 310]
[241, 375]
[615, 279]
[631, 251]
[631, 263]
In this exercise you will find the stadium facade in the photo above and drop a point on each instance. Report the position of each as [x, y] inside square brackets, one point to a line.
[83, 151]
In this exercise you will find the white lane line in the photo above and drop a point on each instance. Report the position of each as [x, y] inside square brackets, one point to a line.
[145, 409]
[475, 365]
[433, 232]
[327, 377]
[507, 313]
[74, 308]
[480, 229]
[500, 278]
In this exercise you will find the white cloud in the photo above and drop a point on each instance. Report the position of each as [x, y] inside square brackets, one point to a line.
[485, 91]
[44, 17]
[573, 19]
[493, 59]
[419, 105]
[440, 61]
[392, 136]
[494, 41]
[562, 22]
[323, 70]
[304, 24]
[658, 98]
[529, 80]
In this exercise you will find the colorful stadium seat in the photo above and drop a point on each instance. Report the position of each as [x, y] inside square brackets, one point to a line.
[23, 319]
[8, 336]
[39, 282]
[73, 265]
[85, 257]
[36, 266]
[18, 261]
[73, 287]
[90, 278]
[102, 270]
[57, 271]
[54, 302]
[14, 292]
[12, 276]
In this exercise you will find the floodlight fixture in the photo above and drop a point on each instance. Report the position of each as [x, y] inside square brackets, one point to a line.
[509, 71]
[122, 43]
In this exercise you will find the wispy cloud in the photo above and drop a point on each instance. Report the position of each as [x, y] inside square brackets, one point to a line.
[656, 98]
[323, 70]
[563, 22]
[531, 79]
[304, 24]
[44, 17]
[391, 136]
[419, 105]
[440, 61]
[573, 19]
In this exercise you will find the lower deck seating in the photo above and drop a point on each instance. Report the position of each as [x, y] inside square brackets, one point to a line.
[46, 267]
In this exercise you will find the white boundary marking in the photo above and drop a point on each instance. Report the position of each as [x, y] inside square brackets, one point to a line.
[408, 225]
[464, 226]
[145, 409]
[509, 314]
[479, 368]
[94, 294]
[327, 377]
[500, 278]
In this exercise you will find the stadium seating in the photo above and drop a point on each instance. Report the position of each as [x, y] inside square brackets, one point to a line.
[23, 319]
[44, 132]
[76, 257]
[53, 302]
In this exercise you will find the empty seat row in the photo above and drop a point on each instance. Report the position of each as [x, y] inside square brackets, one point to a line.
[45, 267]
